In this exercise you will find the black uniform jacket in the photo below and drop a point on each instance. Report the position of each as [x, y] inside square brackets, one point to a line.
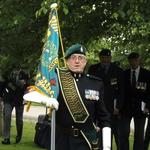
[113, 84]
[88, 86]
[134, 97]
[14, 90]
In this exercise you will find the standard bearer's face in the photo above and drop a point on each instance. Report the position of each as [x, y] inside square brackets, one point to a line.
[76, 63]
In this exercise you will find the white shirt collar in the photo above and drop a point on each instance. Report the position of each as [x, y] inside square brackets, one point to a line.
[137, 70]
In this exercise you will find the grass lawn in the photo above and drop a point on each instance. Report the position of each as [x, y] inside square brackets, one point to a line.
[131, 143]
[27, 139]
[28, 136]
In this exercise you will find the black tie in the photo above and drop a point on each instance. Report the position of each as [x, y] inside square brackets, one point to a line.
[133, 79]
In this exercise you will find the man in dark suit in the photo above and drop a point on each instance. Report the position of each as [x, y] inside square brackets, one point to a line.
[13, 98]
[112, 76]
[136, 96]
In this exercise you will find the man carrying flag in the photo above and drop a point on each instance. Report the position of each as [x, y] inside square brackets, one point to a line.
[80, 100]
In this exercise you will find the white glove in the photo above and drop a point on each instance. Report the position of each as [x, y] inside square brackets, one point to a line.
[51, 102]
[106, 137]
[37, 97]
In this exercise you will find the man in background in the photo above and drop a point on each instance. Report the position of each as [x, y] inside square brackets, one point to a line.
[13, 98]
[112, 76]
[136, 96]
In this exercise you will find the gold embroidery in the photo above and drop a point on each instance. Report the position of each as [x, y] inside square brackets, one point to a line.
[72, 96]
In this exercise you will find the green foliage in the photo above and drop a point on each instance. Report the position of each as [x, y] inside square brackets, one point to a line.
[123, 26]
[131, 31]
[20, 40]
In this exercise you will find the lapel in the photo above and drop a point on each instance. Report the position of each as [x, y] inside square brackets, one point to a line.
[128, 77]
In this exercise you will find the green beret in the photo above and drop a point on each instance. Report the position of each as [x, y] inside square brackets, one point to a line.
[75, 49]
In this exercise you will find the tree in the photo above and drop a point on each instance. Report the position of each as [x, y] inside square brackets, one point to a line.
[21, 33]
[123, 26]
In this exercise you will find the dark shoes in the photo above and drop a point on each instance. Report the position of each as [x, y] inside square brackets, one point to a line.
[6, 141]
[18, 139]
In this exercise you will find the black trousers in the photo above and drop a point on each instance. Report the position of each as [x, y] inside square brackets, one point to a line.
[139, 124]
[68, 142]
[147, 135]
[7, 119]
[115, 130]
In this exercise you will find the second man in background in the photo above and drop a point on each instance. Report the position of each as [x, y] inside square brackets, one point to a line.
[112, 76]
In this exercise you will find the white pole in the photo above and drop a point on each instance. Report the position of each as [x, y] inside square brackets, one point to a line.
[53, 125]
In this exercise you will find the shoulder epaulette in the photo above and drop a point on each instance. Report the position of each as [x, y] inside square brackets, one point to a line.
[93, 77]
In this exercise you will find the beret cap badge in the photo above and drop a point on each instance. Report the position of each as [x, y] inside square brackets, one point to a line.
[75, 49]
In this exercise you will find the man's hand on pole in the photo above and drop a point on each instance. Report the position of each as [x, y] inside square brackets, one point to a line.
[51, 102]
[34, 96]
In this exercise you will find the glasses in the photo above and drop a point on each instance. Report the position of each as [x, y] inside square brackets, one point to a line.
[77, 57]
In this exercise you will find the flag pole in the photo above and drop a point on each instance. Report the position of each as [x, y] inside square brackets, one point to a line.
[53, 114]
[53, 117]
[61, 42]
[53, 125]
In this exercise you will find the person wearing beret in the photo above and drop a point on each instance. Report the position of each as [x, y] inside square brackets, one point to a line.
[112, 76]
[80, 107]
[136, 98]
[75, 129]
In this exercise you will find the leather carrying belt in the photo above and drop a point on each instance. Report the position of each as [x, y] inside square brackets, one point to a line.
[76, 132]
[72, 96]
[72, 131]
